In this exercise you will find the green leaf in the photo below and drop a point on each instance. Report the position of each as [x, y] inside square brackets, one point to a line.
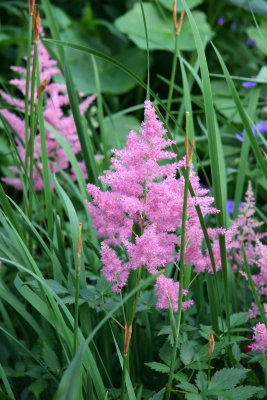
[193, 396]
[188, 387]
[113, 80]
[238, 319]
[201, 380]
[160, 30]
[169, 4]
[159, 367]
[38, 387]
[51, 359]
[243, 392]
[186, 353]
[227, 378]
[117, 128]
[256, 6]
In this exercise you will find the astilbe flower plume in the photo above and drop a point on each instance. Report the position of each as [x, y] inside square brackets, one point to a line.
[260, 338]
[55, 101]
[246, 235]
[139, 216]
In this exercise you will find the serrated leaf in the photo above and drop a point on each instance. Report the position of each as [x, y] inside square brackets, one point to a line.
[165, 353]
[186, 353]
[201, 380]
[243, 392]
[188, 387]
[238, 319]
[227, 378]
[160, 30]
[56, 287]
[193, 396]
[180, 377]
[159, 395]
[159, 367]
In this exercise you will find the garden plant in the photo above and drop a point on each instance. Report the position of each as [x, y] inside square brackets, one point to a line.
[133, 186]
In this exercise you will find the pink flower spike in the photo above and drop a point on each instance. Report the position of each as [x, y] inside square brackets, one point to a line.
[260, 338]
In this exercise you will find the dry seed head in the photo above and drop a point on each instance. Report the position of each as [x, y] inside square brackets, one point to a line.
[177, 24]
[36, 24]
[211, 344]
[188, 151]
[127, 338]
[42, 87]
[31, 7]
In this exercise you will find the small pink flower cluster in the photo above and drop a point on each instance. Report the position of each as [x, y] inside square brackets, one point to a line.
[260, 338]
[245, 234]
[139, 217]
[55, 101]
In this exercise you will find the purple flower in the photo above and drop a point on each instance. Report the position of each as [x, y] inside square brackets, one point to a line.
[220, 20]
[230, 206]
[261, 127]
[251, 42]
[249, 84]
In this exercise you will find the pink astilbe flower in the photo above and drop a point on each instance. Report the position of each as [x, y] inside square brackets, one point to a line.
[55, 99]
[260, 338]
[167, 292]
[141, 213]
[254, 311]
[245, 234]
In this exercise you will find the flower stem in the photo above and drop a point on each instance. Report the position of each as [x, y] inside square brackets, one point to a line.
[77, 288]
[182, 265]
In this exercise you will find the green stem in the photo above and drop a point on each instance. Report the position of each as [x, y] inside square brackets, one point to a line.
[44, 157]
[173, 72]
[27, 89]
[76, 310]
[30, 147]
[181, 284]
[209, 362]
[77, 288]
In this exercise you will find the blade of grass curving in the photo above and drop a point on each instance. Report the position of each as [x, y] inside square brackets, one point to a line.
[86, 145]
[243, 115]
[243, 163]
[100, 112]
[30, 354]
[6, 383]
[188, 107]
[129, 385]
[10, 299]
[73, 374]
[44, 157]
[174, 64]
[71, 157]
[71, 213]
[142, 285]
[147, 51]
[216, 156]
[5, 204]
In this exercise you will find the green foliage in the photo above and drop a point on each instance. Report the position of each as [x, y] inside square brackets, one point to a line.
[102, 48]
[160, 29]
